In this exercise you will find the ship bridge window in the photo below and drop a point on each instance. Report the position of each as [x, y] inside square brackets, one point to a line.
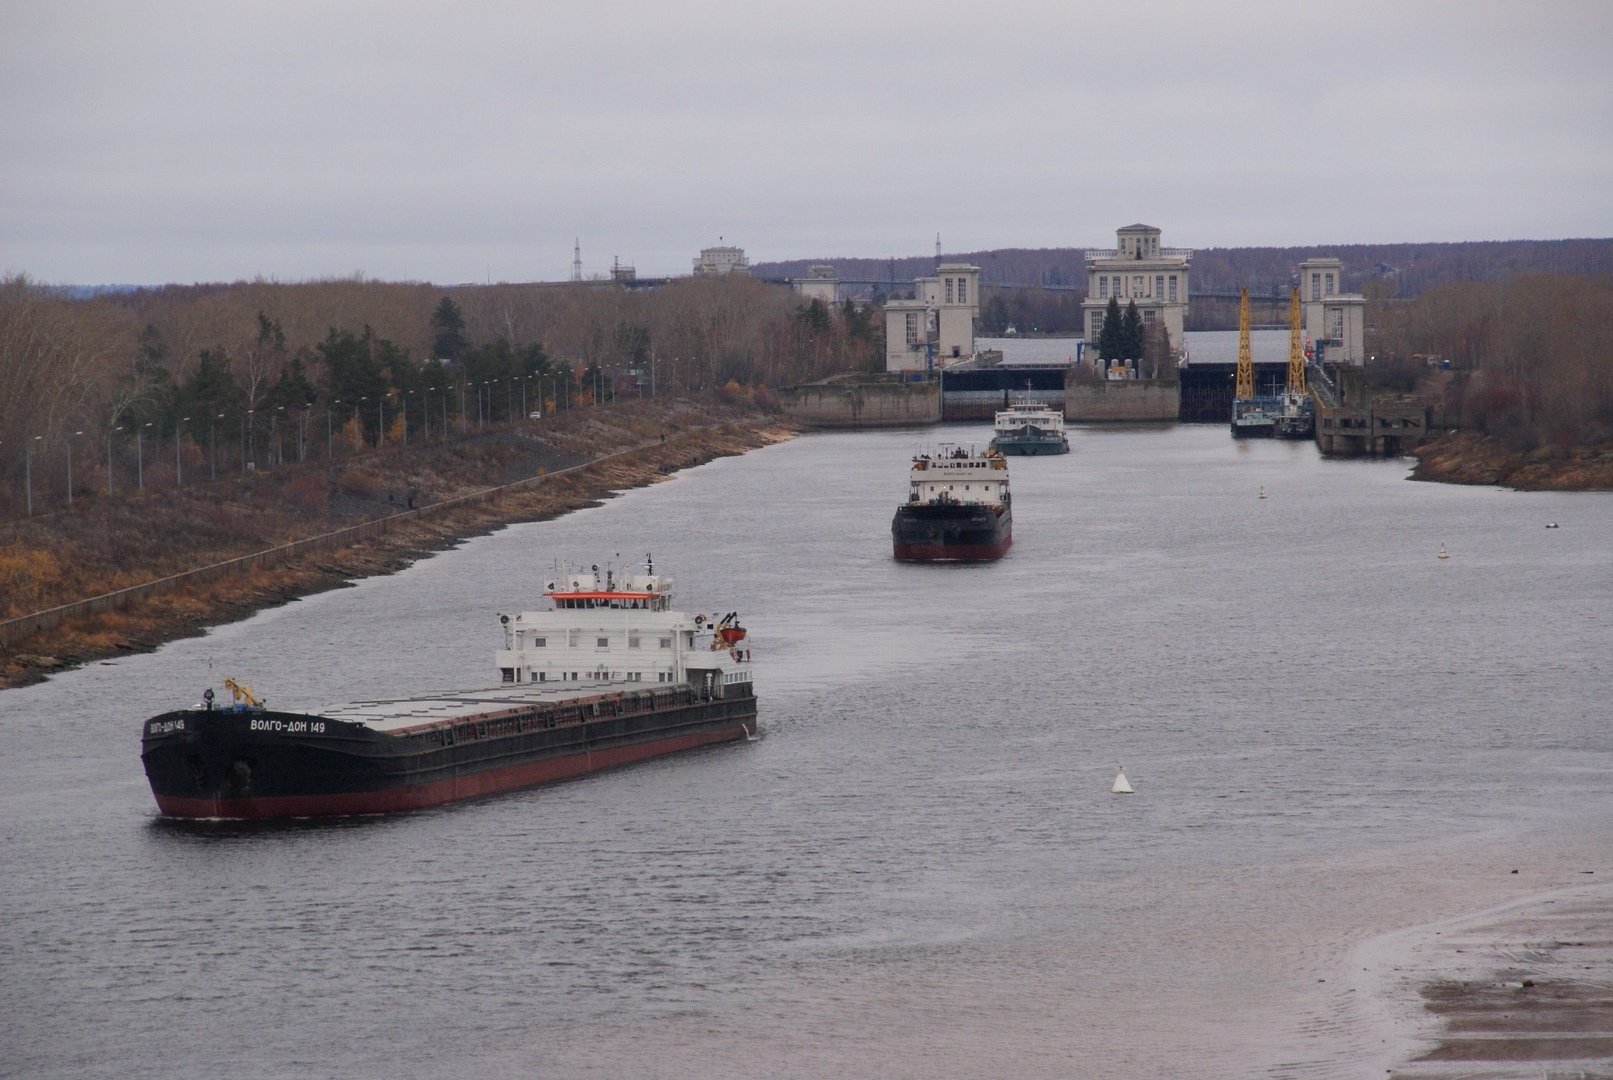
[632, 641]
[538, 643]
[666, 643]
[603, 643]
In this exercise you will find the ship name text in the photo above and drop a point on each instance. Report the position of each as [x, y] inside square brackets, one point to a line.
[290, 727]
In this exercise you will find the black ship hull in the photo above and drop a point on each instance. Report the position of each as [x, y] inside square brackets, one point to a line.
[951, 532]
[264, 764]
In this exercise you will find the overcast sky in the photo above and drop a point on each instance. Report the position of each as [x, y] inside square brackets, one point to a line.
[230, 139]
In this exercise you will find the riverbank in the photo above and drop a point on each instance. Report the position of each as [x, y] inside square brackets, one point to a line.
[1518, 990]
[419, 499]
[1474, 459]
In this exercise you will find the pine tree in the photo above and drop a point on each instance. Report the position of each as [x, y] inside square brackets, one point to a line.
[1109, 338]
[1131, 333]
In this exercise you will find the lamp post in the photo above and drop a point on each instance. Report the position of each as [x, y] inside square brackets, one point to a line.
[380, 421]
[140, 455]
[70, 467]
[212, 444]
[356, 407]
[425, 407]
[462, 406]
[329, 439]
[509, 398]
[28, 470]
[179, 478]
[251, 449]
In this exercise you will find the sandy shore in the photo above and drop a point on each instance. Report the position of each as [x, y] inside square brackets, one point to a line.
[1524, 990]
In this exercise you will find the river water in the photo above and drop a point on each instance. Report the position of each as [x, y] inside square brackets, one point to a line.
[918, 870]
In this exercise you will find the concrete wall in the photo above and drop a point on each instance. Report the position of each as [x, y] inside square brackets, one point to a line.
[863, 404]
[1128, 401]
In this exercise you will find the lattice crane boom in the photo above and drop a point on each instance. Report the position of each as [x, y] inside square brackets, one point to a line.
[1296, 346]
[1245, 387]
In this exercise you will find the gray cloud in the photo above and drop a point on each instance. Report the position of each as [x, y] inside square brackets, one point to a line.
[199, 141]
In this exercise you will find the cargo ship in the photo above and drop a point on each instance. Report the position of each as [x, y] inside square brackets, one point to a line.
[610, 674]
[958, 508]
[1029, 428]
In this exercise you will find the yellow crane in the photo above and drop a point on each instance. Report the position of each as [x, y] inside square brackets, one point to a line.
[1296, 347]
[243, 693]
[1245, 387]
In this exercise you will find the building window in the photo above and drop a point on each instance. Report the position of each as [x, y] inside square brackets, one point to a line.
[1159, 286]
[1136, 285]
[1330, 289]
[912, 328]
[1316, 286]
[1097, 325]
[949, 290]
[1148, 315]
[1173, 288]
[963, 290]
[1335, 323]
[1103, 286]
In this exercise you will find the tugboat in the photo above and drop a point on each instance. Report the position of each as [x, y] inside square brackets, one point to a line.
[1029, 428]
[610, 675]
[958, 508]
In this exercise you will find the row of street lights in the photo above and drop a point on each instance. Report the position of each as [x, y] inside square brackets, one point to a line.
[557, 389]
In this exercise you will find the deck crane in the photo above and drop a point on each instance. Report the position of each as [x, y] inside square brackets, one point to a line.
[1245, 388]
[1296, 346]
[1297, 418]
[1251, 416]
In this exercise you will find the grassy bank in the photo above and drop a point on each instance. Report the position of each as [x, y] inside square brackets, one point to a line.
[107, 543]
[1476, 459]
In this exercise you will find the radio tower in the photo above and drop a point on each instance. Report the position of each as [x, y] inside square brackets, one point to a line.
[576, 259]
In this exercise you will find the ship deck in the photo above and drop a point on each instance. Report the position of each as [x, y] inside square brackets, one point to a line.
[394, 715]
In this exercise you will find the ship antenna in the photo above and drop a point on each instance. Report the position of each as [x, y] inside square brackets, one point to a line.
[649, 564]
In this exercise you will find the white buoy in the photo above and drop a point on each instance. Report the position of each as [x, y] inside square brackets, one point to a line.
[1122, 786]
[1551, 524]
[1442, 553]
[1262, 493]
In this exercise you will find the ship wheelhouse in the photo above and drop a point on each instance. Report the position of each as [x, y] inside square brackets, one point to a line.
[620, 629]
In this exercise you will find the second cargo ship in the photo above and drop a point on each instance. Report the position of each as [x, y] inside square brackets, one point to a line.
[958, 508]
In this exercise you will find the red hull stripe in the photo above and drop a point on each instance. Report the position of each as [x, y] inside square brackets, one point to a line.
[468, 786]
[952, 552]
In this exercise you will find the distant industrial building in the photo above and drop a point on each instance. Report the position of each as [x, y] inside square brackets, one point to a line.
[820, 283]
[718, 261]
[938, 324]
[1334, 321]
[1138, 271]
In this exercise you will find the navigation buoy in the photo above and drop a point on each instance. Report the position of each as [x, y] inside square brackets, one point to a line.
[1262, 493]
[1551, 524]
[1442, 553]
[1122, 786]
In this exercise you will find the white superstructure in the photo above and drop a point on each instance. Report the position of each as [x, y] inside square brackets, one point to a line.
[1023, 419]
[620, 627]
[958, 476]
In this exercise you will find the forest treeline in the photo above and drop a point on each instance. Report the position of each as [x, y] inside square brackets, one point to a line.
[121, 389]
[1404, 270]
[1530, 359]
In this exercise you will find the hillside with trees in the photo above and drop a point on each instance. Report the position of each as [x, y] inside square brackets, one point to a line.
[1405, 269]
[122, 389]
